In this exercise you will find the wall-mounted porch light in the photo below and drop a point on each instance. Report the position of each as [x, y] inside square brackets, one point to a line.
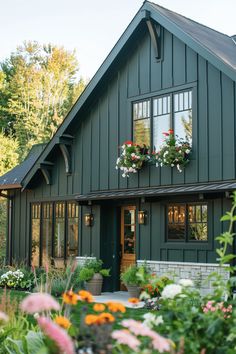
[88, 219]
[142, 216]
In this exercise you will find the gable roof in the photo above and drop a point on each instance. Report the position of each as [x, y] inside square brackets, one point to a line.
[13, 179]
[219, 49]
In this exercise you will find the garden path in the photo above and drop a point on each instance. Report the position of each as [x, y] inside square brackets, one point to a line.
[117, 296]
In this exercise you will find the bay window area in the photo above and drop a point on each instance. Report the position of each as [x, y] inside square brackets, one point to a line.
[54, 232]
[154, 116]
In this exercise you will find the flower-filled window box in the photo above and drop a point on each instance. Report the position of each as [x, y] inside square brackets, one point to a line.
[132, 158]
[174, 152]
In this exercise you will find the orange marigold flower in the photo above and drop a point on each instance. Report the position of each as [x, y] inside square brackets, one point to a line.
[106, 317]
[90, 319]
[62, 322]
[99, 307]
[116, 307]
[86, 296]
[133, 300]
[69, 297]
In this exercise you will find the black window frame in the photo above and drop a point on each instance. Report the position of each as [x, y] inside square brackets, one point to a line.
[172, 112]
[186, 223]
[52, 253]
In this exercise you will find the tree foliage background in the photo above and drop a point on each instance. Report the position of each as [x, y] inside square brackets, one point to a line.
[38, 86]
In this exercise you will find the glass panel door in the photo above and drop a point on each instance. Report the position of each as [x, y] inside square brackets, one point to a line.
[47, 234]
[35, 231]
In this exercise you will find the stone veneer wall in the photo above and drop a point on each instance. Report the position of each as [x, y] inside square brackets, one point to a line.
[197, 272]
[82, 260]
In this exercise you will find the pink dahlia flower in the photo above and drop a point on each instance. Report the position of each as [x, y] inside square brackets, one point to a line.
[58, 335]
[39, 302]
[124, 337]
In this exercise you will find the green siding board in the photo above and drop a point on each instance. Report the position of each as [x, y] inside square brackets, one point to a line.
[133, 74]
[62, 180]
[144, 175]
[86, 156]
[145, 234]
[191, 65]
[202, 153]
[144, 65]
[190, 255]
[95, 145]
[165, 175]
[177, 177]
[86, 234]
[179, 67]
[215, 131]
[175, 255]
[155, 72]
[228, 128]
[104, 129]
[156, 231]
[124, 120]
[113, 134]
[167, 67]
[155, 176]
[201, 258]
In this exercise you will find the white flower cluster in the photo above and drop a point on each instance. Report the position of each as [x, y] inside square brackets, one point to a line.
[11, 278]
[151, 320]
[172, 290]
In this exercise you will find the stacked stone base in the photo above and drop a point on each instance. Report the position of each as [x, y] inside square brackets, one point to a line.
[197, 272]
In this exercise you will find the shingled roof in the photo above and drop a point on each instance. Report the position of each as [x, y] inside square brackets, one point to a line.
[218, 43]
[14, 178]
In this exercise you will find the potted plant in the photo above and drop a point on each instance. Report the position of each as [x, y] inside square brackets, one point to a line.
[134, 277]
[92, 274]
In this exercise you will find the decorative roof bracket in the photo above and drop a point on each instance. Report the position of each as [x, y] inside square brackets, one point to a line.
[45, 168]
[155, 34]
[67, 157]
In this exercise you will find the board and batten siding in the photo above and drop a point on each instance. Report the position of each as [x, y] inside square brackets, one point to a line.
[109, 122]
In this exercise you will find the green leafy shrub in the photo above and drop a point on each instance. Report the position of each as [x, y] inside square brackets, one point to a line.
[135, 275]
[92, 267]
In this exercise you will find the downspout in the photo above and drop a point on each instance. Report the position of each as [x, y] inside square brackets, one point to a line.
[9, 223]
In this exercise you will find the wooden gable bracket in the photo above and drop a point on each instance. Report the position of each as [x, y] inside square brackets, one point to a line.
[45, 168]
[67, 157]
[155, 34]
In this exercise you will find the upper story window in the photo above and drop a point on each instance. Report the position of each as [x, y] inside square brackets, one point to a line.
[187, 222]
[154, 116]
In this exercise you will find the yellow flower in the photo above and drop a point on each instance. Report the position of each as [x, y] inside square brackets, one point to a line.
[62, 322]
[70, 297]
[133, 300]
[99, 307]
[91, 319]
[116, 307]
[86, 296]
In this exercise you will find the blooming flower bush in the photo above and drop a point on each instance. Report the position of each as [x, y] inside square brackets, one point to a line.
[11, 279]
[173, 152]
[132, 158]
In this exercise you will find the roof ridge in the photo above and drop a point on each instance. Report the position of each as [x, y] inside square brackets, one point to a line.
[190, 19]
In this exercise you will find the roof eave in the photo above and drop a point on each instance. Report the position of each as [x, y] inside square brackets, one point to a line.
[10, 186]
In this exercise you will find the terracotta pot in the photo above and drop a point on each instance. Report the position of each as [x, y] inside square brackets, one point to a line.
[134, 290]
[94, 286]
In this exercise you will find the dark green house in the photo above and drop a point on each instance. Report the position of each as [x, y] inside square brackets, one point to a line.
[67, 199]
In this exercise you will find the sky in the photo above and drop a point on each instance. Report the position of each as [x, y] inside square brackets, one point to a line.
[93, 27]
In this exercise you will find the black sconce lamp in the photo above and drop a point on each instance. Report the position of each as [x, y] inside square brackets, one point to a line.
[142, 217]
[88, 219]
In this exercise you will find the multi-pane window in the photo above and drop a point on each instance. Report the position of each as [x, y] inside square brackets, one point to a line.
[141, 122]
[72, 229]
[153, 117]
[59, 233]
[35, 231]
[129, 231]
[54, 231]
[46, 233]
[187, 222]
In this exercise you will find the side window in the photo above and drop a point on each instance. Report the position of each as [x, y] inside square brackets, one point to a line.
[183, 115]
[35, 231]
[59, 233]
[141, 122]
